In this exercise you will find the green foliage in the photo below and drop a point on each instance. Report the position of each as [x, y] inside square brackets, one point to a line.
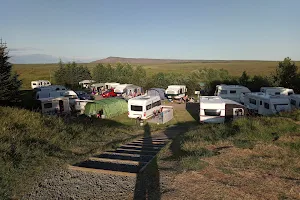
[286, 73]
[71, 74]
[9, 82]
[244, 79]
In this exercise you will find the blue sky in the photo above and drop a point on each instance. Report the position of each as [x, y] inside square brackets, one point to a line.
[191, 29]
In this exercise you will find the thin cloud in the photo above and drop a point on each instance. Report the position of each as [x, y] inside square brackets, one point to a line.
[24, 49]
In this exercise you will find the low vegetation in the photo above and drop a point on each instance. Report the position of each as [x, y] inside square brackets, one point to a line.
[31, 144]
[230, 153]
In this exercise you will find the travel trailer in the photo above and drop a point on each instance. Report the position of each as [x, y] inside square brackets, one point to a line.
[52, 106]
[80, 105]
[214, 109]
[111, 85]
[295, 101]
[50, 88]
[120, 89]
[265, 104]
[39, 83]
[277, 90]
[232, 92]
[86, 83]
[176, 91]
[143, 107]
[98, 86]
[133, 91]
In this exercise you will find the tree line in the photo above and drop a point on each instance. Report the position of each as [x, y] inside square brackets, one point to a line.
[286, 75]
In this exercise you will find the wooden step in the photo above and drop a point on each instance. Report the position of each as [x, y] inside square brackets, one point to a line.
[117, 161]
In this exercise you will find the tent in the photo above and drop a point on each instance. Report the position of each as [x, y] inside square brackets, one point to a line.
[157, 92]
[111, 107]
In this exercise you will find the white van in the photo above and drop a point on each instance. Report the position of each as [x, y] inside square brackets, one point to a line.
[214, 109]
[39, 83]
[264, 104]
[176, 91]
[232, 92]
[277, 90]
[295, 101]
[143, 107]
[50, 88]
[120, 89]
[111, 85]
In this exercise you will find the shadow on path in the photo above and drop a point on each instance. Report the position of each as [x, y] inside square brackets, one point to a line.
[147, 182]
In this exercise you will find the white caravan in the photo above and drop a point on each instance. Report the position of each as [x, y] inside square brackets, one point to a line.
[295, 101]
[50, 88]
[80, 105]
[120, 89]
[52, 106]
[176, 91]
[214, 109]
[232, 92]
[264, 104]
[143, 107]
[86, 83]
[39, 83]
[277, 90]
[111, 85]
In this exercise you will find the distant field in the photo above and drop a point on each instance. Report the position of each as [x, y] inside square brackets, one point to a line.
[29, 72]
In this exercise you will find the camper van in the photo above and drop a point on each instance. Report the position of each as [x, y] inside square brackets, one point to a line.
[52, 106]
[86, 83]
[59, 93]
[80, 105]
[50, 88]
[120, 89]
[39, 83]
[214, 109]
[176, 91]
[111, 85]
[295, 101]
[143, 107]
[277, 90]
[232, 92]
[264, 104]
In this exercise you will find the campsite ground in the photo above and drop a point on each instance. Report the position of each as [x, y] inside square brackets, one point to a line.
[29, 72]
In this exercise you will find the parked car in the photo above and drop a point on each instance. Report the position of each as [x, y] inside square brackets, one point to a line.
[83, 95]
[109, 93]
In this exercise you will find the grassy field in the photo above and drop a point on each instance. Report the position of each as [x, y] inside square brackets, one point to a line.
[251, 158]
[29, 72]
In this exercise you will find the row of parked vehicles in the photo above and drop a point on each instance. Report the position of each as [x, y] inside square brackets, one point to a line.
[232, 101]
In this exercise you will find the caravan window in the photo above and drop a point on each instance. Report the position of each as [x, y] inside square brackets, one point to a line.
[293, 102]
[137, 108]
[260, 102]
[277, 93]
[232, 91]
[267, 106]
[252, 101]
[158, 103]
[212, 112]
[290, 93]
[223, 92]
[48, 105]
[33, 83]
[148, 107]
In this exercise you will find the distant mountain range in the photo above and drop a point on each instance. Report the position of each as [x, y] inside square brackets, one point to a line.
[150, 60]
[39, 59]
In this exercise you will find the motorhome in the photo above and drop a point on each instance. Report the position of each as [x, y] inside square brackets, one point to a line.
[214, 109]
[232, 92]
[58, 93]
[52, 106]
[111, 85]
[86, 83]
[143, 107]
[277, 90]
[295, 101]
[265, 104]
[120, 89]
[80, 105]
[50, 88]
[39, 83]
[176, 91]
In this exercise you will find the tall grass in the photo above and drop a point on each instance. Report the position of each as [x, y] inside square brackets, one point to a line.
[32, 144]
